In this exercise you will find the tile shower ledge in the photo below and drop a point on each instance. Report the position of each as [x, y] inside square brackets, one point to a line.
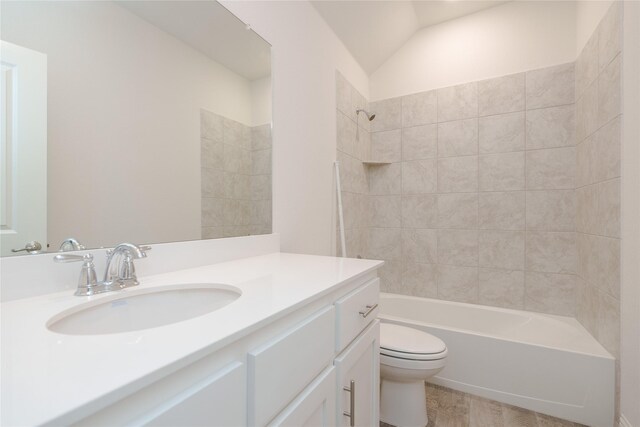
[58, 373]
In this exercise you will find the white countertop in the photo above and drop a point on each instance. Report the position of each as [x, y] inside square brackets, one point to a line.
[46, 375]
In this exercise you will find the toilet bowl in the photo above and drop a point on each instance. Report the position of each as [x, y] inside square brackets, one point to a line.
[408, 357]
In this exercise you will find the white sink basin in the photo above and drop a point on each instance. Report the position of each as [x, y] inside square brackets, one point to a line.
[143, 308]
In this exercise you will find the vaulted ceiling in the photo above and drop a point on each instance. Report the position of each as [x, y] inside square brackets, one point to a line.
[374, 30]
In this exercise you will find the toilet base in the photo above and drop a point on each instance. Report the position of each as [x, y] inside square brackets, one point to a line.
[403, 404]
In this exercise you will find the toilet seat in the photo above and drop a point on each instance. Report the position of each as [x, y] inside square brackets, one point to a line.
[412, 356]
[401, 342]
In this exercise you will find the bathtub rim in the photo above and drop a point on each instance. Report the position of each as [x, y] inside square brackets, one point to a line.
[564, 319]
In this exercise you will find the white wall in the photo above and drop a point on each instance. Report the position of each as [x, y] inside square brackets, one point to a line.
[124, 120]
[510, 38]
[305, 55]
[630, 292]
[589, 13]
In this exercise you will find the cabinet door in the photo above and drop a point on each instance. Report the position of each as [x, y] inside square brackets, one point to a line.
[358, 372]
[217, 400]
[314, 407]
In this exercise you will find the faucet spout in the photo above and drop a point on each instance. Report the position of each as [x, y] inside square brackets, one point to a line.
[125, 252]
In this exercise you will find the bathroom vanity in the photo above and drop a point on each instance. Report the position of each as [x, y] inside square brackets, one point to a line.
[299, 346]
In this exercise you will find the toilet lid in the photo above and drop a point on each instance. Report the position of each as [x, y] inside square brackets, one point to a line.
[401, 339]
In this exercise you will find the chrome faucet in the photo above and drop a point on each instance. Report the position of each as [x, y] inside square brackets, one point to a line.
[70, 244]
[120, 272]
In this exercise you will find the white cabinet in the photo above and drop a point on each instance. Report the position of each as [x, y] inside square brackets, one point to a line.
[201, 394]
[280, 369]
[358, 372]
[217, 400]
[314, 407]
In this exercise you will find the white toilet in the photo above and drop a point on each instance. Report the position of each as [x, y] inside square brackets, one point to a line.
[407, 358]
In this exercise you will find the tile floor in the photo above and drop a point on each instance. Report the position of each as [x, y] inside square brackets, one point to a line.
[451, 408]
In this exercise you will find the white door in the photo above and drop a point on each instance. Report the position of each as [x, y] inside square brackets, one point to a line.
[23, 150]
[358, 372]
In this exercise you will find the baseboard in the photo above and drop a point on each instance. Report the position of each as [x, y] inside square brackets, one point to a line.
[624, 422]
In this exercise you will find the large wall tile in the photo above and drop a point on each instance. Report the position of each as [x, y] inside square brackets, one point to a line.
[384, 211]
[502, 210]
[419, 211]
[458, 138]
[610, 92]
[502, 172]
[610, 35]
[419, 109]
[420, 245]
[420, 142]
[458, 210]
[551, 86]
[608, 208]
[551, 252]
[260, 187]
[419, 176]
[343, 96]
[388, 114]
[586, 209]
[501, 288]
[458, 102]
[551, 210]
[261, 137]
[211, 156]
[211, 126]
[501, 249]
[420, 280]
[550, 127]
[384, 243]
[608, 323]
[358, 102]
[212, 212]
[458, 283]
[605, 152]
[583, 162]
[550, 293]
[599, 262]
[212, 182]
[586, 305]
[551, 169]
[502, 133]
[458, 174]
[237, 186]
[501, 95]
[260, 162]
[386, 146]
[458, 247]
[587, 68]
[236, 134]
[385, 179]
[587, 112]
[391, 276]
[346, 134]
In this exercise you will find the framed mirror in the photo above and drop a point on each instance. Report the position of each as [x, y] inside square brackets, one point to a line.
[140, 121]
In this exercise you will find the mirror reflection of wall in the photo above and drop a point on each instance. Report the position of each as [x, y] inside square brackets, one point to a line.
[158, 119]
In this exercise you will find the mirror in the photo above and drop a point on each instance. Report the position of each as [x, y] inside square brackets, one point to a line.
[137, 121]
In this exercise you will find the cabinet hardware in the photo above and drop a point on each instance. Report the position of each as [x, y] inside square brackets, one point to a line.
[369, 309]
[352, 402]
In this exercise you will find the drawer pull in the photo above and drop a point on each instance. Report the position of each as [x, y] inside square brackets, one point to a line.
[352, 403]
[370, 308]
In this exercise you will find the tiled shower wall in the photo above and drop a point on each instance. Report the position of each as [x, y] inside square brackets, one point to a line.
[478, 202]
[235, 177]
[353, 142]
[598, 134]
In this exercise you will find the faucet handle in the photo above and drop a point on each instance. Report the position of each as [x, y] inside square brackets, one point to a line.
[88, 278]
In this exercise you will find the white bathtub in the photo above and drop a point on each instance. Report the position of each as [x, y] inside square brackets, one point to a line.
[545, 363]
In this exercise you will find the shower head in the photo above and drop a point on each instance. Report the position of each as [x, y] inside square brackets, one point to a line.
[366, 113]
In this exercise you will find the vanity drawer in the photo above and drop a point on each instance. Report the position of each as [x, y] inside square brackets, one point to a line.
[355, 311]
[280, 369]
